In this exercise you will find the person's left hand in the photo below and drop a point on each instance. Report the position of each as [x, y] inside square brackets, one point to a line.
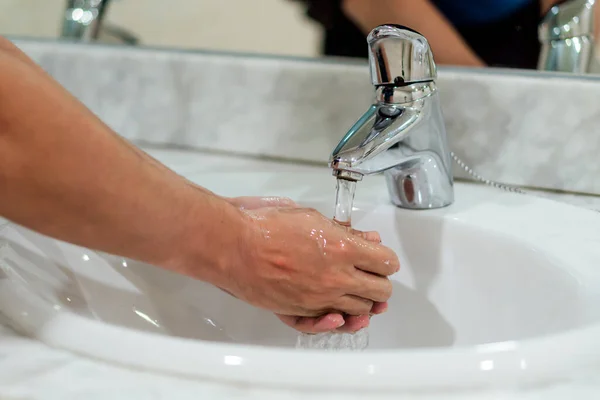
[326, 323]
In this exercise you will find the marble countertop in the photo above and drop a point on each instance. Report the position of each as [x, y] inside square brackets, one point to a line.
[504, 124]
[32, 370]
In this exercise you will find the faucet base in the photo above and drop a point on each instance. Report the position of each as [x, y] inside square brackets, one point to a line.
[422, 185]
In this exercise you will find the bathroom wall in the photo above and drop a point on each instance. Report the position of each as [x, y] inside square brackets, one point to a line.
[265, 26]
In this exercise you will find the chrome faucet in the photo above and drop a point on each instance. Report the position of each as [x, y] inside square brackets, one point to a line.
[84, 21]
[566, 34]
[403, 133]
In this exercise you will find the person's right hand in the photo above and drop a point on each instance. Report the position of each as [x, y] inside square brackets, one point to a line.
[336, 321]
[296, 262]
[333, 321]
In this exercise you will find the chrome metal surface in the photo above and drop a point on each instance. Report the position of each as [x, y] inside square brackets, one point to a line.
[403, 133]
[399, 55]
[566, 35]
[84, 21]
[479, 178]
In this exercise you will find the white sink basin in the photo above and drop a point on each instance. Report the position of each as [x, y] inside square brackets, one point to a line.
[496, 289]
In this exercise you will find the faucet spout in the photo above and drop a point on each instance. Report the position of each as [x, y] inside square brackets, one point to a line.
[402, 134]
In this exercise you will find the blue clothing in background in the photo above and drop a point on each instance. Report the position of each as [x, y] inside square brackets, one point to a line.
[478, 11]
[503, 33]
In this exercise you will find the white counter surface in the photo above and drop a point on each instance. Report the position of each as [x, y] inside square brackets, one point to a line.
[31, 370]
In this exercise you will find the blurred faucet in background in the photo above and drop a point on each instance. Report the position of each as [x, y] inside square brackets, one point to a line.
[567, 38]
[84, 21]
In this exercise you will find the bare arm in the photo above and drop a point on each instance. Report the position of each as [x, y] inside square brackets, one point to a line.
[67, 175]
[101, 191]
[446, 43]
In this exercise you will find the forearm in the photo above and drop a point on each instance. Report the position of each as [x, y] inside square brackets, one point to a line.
[66, 174]
[446, 43]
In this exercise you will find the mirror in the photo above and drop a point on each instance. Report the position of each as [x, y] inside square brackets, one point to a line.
[550, 35]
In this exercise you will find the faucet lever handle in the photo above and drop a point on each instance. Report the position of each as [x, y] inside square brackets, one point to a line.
[399, 56]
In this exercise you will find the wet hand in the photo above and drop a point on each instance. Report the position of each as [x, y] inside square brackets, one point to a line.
[253, 203]
[297, 262]
[335, 321]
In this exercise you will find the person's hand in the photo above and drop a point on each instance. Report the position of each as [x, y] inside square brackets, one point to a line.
[309, 269]
[253, 203]
[337, 321]
[334, 321]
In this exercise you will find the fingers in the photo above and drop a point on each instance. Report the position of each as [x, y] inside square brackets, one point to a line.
[354, 323]
[375, 258]
[328, 323]
[353, 305]
[379, 308]
[372, 287]
[325, 323]
[253, 203]
[370, 236]
[333, 321]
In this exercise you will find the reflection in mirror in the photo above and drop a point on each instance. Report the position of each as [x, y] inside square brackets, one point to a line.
[83, 20]
[567, 37]
[550, 35]
[247, 26]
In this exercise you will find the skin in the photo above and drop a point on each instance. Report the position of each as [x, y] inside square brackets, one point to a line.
[547, 5]
[65, 174]
[331, 321]
[422, 15]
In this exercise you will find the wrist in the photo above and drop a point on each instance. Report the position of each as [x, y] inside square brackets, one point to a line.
[209, 245]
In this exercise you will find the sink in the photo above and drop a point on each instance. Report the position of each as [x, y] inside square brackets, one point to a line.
[496, 289]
